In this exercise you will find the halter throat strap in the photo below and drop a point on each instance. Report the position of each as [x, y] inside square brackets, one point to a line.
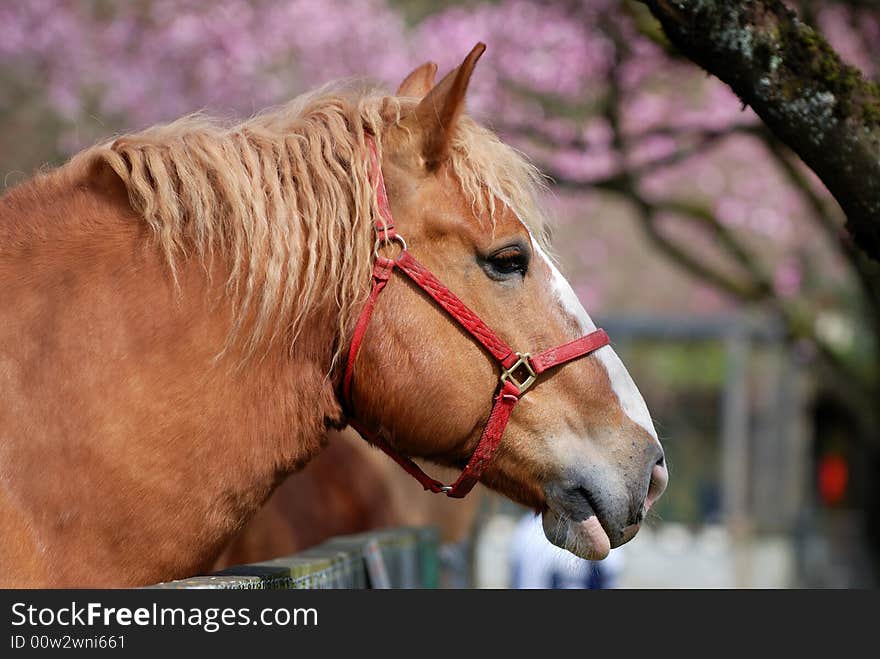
[519, 371]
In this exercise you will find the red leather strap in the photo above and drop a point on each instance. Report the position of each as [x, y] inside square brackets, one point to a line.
[507, 396]
[382, 270]
[425, 280]
[489, 441]
[408, 465]
[569, 351]
[384, 224]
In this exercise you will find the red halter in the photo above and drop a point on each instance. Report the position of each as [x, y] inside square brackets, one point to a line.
[518, 370]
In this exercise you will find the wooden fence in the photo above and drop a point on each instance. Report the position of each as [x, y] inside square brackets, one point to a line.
[388, 558]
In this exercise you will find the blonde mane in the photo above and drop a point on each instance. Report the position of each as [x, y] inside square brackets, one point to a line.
[285, 198]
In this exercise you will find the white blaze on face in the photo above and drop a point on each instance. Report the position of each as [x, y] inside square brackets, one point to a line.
[631, 401]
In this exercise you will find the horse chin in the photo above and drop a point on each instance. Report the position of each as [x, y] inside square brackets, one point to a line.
[585, 538]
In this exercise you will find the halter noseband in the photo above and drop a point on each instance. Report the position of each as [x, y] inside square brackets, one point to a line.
[518, 370]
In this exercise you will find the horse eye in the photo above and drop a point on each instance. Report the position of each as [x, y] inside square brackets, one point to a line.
[506, 262]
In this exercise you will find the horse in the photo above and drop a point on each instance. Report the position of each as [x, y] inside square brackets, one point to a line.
[349, 487]
[186, 311]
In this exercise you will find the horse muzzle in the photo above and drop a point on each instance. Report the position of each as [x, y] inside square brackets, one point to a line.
[589, 513]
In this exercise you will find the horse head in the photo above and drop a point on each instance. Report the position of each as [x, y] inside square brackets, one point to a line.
[580, 446]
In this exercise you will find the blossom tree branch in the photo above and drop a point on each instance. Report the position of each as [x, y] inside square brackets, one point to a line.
[756, 287]
[825, 214]
[856, 393]
[824, 110]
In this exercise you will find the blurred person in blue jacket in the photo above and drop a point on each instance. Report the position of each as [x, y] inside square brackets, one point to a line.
[536, 563]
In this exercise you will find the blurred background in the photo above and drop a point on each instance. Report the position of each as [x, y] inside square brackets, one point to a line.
[715, 260]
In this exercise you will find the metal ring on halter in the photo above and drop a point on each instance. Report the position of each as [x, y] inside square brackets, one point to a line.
[384, 241]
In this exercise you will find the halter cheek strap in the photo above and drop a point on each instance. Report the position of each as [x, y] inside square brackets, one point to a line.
[518, 370]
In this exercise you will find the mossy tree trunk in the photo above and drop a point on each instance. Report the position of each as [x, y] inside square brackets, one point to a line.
[823, 109]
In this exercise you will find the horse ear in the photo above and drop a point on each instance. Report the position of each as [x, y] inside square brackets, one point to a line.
[437, 113]
[418, 83]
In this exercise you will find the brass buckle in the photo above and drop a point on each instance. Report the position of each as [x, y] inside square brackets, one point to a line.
[510, 373]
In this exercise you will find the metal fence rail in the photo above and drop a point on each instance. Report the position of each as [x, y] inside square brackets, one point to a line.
[388, 558]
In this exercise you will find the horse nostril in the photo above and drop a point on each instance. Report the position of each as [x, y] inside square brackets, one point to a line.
[580, 503]
[659, 480]
[585, 495]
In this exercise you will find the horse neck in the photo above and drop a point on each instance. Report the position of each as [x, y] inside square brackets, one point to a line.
[127, 434]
